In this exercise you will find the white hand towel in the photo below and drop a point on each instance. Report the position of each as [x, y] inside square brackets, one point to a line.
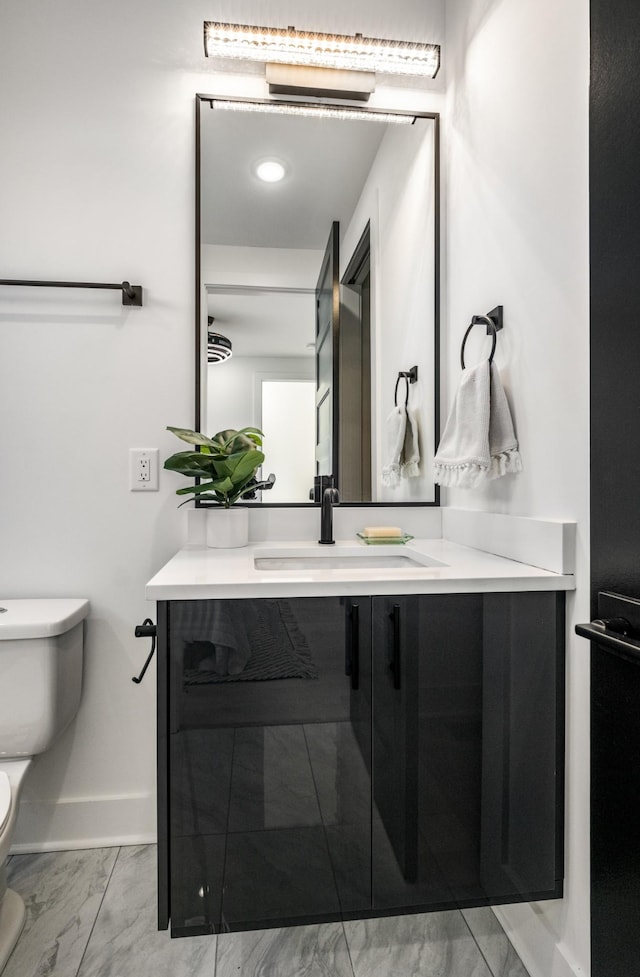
[410, 461]
[478, 442]
[503, 444]
[396, 426]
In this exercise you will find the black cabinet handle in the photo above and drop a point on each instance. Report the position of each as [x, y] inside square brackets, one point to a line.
[395, 658]
[352, 648]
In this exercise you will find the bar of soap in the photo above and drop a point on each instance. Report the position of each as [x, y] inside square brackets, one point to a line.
[382, 531]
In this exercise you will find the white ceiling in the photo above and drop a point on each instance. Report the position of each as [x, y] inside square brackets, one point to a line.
[260, 322]
[327, 162]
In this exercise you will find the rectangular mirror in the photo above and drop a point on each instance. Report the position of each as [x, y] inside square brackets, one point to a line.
[317, 287]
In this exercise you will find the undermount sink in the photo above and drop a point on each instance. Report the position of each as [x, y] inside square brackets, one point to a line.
[343, 561]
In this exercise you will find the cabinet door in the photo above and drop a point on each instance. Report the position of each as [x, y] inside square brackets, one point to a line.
[467, 772]
[269, 762]
[427, 678]
[522, 803]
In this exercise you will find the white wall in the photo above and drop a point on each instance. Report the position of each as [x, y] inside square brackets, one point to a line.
[398, 201]
[515, 151]
[97, 184]
[260, 267]
[234, 396]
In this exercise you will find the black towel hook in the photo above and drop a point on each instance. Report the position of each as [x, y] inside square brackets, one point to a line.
[409, 376]
[493, 322]
[146, 630]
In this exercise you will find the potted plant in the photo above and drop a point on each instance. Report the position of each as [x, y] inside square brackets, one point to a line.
[226, 465]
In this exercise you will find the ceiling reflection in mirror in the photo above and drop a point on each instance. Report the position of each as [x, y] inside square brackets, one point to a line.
[316, 290]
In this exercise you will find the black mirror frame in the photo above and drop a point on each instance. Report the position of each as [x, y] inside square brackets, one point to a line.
[435, 116]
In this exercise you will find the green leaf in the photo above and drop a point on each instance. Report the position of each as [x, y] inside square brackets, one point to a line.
[225, 438]
[246, 488]
[223, 485]
[232, 441]
[191, 437]
[245, 465]
[198, 489]
[187, 463]
[254, 434]
[222, 467]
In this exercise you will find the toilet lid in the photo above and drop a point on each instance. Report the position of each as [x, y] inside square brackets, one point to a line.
[5, 798]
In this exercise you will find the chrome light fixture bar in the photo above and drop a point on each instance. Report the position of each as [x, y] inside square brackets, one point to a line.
[313, 111]
[289, 46]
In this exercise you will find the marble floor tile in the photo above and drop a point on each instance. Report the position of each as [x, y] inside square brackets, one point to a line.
[493, 942]
[125, 941]
[62, 892]
[424, 945]
[298, 951]
[93, 914]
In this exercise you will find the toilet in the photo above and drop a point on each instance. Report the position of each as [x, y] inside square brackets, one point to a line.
[41, 645]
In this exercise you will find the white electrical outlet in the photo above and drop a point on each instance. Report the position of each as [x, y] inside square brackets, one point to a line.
[143, 469]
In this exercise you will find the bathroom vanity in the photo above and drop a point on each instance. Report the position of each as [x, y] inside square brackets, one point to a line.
[343, 734]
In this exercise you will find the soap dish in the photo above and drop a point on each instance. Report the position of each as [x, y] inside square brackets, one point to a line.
[384, 540]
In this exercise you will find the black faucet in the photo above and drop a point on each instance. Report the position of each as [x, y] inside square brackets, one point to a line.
[330, 497]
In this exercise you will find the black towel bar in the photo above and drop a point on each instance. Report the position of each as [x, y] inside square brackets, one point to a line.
[131, 294]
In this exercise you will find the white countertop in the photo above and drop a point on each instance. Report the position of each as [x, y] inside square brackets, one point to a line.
[201, 572]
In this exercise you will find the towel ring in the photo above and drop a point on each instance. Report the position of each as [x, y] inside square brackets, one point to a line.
[409, 376]
[395, 393]
[491, 327]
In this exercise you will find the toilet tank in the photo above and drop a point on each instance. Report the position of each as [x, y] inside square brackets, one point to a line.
[41, 648]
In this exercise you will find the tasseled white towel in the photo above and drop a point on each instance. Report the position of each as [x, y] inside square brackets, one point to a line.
[396, 426]
[410, 461]
[403, 446]
[479, 442]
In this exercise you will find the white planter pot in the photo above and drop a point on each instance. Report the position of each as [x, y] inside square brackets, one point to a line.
[227, 527]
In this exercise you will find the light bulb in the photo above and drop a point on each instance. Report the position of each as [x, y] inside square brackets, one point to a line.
[270, 170]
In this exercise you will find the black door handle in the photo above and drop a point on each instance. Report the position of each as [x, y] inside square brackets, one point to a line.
[394, 665]
[614, 640]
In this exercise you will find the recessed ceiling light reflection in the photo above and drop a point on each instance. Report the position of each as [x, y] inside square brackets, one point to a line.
[270, 170]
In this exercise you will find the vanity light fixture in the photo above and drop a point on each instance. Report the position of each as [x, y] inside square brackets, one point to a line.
[342, 112]
[301, 80]
[290, 46]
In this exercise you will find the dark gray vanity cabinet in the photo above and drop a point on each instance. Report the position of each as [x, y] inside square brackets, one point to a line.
[325, 758]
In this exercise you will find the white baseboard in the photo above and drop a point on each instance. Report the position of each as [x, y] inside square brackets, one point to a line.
[94, 822]
[534, 942]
